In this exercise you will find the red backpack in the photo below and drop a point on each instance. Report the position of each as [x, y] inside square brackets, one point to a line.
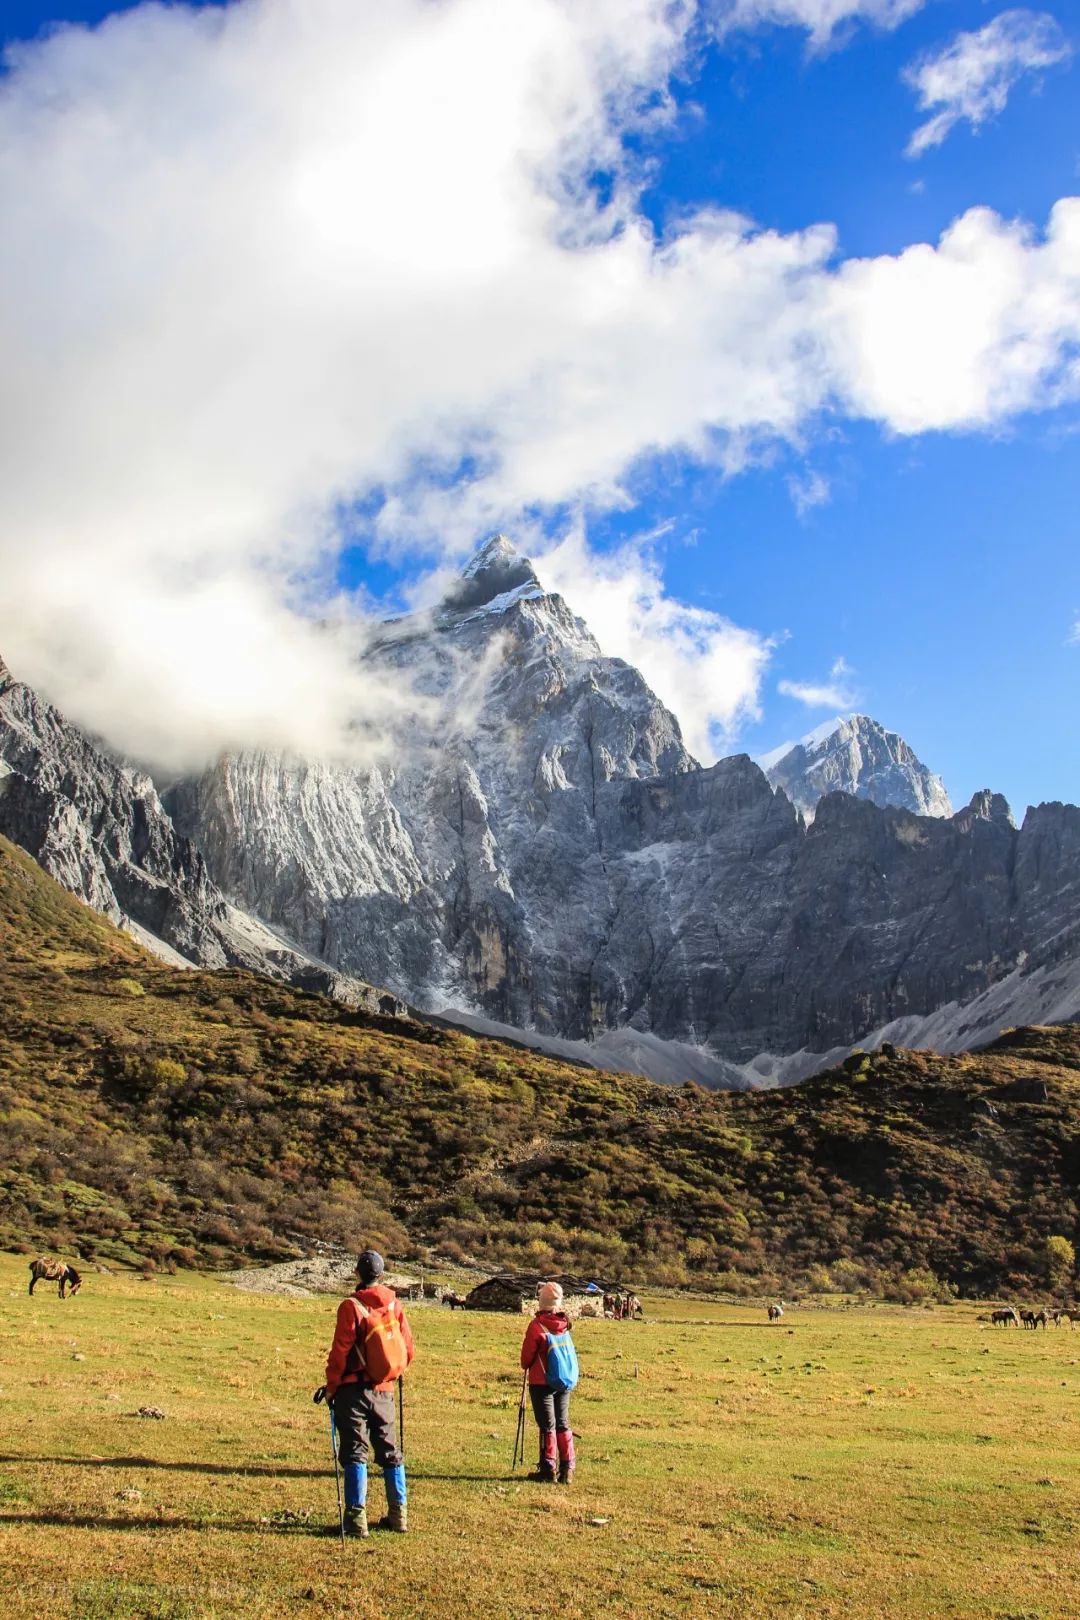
[380, 1354]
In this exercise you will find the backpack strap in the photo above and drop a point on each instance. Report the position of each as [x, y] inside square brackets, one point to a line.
[543, 1344]
[362, 1316]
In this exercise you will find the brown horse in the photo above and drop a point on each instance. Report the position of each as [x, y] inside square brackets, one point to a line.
[57, 1271]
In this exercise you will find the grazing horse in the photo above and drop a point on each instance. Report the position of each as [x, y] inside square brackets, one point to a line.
[1006, 1317]
[775, 1312]
[454, 1300]
[1061, 1316]
[57, 1271]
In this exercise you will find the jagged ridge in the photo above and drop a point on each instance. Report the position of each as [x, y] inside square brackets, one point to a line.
[558, 862]
[227, 1115]
[542, 851]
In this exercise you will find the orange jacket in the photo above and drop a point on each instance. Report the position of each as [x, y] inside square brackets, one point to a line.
[345, 1335]
[534, 1344]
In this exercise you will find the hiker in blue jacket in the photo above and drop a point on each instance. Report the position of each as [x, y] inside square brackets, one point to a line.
[552, 1371]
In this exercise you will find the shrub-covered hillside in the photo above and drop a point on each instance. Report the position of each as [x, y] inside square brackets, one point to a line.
[192, 1118]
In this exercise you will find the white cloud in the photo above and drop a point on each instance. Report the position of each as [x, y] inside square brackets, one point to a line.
[962, 335]
[261, 261]
[707, 670]
[971, 77]
[808, 490]
[1074, 634]
[835, 693]
[822, 19]
[255, 260]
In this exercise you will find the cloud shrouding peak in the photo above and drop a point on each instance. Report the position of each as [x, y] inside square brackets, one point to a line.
[705, 669]
[266, 261]
[971, 77]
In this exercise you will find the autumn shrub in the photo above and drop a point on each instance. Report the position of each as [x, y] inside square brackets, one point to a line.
[219, 1117]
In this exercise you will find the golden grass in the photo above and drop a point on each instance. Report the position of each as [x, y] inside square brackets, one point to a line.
[874, 1462]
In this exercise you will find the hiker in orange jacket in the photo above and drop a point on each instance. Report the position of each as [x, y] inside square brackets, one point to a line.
[371, 1338]
[551, 1407]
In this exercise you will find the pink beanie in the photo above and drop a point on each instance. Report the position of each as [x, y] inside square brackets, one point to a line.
[550, 1296]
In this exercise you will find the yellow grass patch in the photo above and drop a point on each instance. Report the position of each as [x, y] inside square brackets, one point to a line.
[860, 1463]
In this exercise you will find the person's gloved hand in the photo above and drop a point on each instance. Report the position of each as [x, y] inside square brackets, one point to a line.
[320, 1394]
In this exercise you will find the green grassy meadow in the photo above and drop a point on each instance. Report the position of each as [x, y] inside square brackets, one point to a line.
[861, 1462]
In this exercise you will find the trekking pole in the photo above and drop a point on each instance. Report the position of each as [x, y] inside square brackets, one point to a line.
[318, 1397]
[401, 1414]
[519, 1437]
[337, 1474]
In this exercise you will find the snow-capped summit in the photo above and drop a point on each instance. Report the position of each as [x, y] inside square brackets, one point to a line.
[497, 552]
[496, 571]
[855, 754]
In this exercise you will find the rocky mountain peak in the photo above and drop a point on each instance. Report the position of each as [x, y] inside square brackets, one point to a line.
[855, 754]
[6, 677]
[494, 571]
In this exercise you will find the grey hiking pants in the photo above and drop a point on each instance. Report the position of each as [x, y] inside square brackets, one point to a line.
[364, 1415]
[551, 1408]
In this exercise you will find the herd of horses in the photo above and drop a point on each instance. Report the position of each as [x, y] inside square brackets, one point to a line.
[69, 1281]
[1009, 1316]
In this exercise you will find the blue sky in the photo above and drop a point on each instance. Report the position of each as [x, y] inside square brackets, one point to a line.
[934, 574]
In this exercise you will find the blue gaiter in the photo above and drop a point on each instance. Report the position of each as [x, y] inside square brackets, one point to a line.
[355, 1484]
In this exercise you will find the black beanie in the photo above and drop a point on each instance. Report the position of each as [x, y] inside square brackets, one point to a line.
[369, 1265]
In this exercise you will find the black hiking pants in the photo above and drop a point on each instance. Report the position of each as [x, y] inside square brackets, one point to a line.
[551, 1408]
[366, 1415]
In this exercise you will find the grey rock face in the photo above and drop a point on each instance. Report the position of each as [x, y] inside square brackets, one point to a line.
[452, 869]
[99, 828]
[546, 855]
[858, 756]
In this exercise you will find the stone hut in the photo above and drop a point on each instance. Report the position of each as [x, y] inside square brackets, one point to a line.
[516, 1292]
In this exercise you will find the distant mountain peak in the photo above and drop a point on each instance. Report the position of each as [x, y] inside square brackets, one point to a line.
[6, 677]
[855, 754]
[496, 570]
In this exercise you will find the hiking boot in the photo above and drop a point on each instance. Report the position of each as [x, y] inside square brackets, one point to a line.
[397, 1518]
[544, 1474]
[356, 1521]
[566, 1473]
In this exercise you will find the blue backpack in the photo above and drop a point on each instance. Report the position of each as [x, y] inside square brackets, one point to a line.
[562, 1362]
